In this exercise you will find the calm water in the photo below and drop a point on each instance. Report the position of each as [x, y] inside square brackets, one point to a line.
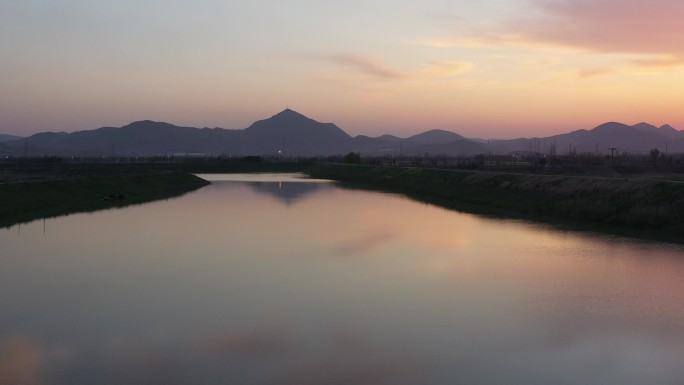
[278, 280]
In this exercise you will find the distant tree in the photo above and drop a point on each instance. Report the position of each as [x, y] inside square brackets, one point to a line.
[352, 158]
[253, 159]
[654, 155]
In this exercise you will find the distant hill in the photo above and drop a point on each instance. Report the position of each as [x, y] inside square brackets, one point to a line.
[374, 146]
[287, 132]
[434, 137]
[437, 142]
[624, 138]
[389, 138]
[142, 138]
[7, 138]
[291, 133]
[666, 131]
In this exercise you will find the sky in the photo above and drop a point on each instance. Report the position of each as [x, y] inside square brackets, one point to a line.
[489, 69]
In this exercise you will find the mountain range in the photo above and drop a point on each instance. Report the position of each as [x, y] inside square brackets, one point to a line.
[291, 133]
[8, 138]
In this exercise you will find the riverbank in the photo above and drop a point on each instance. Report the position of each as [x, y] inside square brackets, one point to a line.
[645, 208]
[641, 205]
[25, 201]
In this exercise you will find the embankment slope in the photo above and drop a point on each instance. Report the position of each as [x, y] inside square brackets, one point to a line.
[22, 202]
[648, 205]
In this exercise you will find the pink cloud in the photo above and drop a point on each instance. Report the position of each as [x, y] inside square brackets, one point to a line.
[611, 26]
[371, 67]
[367, 65]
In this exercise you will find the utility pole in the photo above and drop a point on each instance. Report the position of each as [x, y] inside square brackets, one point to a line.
[667, 158]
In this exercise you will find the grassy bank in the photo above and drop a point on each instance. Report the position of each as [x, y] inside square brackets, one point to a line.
[22, 202]
[638, 205]
[656, 207]
[44, 171]
[36, 190]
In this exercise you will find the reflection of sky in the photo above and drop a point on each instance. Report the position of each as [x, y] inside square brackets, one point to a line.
[354, 287]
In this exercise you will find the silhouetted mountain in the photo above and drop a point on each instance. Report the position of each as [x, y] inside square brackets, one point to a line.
[440, 142]
[389, 138]
[434, 137]
[144, 138]
[288, 132]
[435, 142]
[374, 146]
[639, 138]
[666, 130]
[291, 133]
[7, 138]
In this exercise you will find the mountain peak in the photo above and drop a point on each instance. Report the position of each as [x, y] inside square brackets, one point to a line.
[289, 126]
[146, 124]
[665, 130]
[611, 127]
[288, 113]
[435, 136]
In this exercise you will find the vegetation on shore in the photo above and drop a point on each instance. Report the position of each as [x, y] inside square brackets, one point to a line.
[26, 201]
[36, 171]
[642, 205]
[646, 205]
[49, 187]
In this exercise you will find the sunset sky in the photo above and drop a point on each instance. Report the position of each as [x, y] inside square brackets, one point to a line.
[491, 69]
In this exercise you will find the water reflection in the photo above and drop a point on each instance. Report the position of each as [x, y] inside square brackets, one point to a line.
[288, 192]
[21, 361]
[287, 188]
[230, 285]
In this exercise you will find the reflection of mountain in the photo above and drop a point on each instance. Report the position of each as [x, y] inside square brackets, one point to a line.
[289, 192]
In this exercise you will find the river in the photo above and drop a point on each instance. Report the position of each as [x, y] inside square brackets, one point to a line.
[276, 279]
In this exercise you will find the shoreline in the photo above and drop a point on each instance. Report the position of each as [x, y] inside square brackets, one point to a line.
[23, 202]
[639, 208]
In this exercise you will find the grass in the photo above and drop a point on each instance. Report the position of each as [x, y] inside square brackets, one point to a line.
[36, 190]
[22, 202]
[641, 205]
